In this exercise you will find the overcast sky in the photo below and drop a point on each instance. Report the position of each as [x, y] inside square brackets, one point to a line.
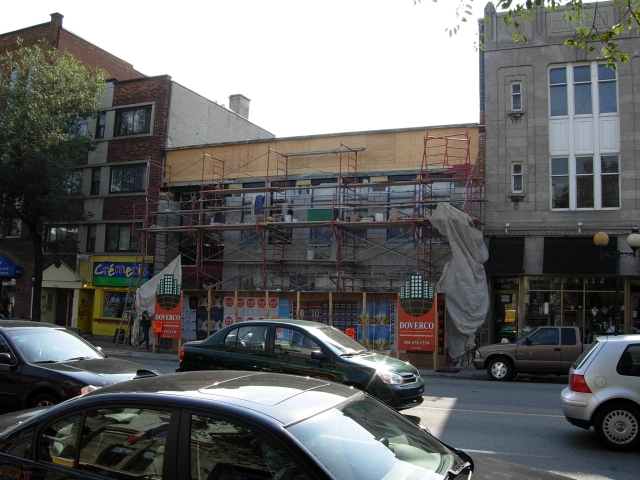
[309, 67]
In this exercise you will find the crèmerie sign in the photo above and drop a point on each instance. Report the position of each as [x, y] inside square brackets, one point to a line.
[119, 274]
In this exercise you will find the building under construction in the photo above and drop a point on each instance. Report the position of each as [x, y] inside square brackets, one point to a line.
[315, 220]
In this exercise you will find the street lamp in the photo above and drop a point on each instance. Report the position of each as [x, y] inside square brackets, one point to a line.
[601, 240]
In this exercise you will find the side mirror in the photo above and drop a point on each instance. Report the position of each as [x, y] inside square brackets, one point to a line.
[318, 355]
[528, 341]
[6, 359]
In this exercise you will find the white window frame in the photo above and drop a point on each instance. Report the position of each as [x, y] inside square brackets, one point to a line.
[515, 95]
[514, 175]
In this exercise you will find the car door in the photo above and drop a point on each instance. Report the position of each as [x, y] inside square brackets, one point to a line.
[540, 351]
[245, 348]
[292, 354]
[10, 375]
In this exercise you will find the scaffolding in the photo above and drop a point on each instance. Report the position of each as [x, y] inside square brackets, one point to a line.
[270, 223]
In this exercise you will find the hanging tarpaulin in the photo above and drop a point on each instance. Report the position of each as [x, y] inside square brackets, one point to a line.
[463, 278]
[162, 298]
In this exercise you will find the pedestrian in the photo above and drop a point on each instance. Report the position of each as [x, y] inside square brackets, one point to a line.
[5, 305]
[145, 325]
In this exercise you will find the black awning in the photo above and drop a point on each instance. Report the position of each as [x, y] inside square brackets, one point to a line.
[505, 255]
[577, 256]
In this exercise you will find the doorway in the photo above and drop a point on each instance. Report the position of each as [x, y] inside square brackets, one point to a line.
[505, 316]
[63, 307]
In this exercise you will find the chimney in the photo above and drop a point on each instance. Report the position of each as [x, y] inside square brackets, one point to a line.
[239, 104]
[56, 20]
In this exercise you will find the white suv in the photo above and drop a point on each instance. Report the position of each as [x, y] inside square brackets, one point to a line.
[604, 391]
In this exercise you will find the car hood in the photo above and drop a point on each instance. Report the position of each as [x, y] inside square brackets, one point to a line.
[485, 468]
[98, 372]
[382, 362]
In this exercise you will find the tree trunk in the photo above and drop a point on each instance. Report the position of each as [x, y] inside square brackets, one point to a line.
[38, 257]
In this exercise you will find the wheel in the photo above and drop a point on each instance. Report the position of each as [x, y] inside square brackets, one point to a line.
[617, 424]
[499, 369]
[44, 400]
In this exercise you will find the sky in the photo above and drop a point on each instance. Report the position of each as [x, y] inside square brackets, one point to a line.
[308, 67]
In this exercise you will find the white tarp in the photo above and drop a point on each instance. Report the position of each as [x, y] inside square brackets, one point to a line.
[463, 279]
[146, 293]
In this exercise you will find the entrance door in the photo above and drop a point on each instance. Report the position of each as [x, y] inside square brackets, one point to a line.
[63, 304]
[505, 315]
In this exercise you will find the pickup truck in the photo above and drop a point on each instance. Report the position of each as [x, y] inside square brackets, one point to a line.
[544, 350]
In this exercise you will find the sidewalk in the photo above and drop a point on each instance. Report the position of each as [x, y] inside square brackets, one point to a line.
[108, 347]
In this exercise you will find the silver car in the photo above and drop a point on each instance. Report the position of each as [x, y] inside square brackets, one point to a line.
[604, 391]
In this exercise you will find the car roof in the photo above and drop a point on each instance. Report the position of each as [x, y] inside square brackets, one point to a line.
[286, 398]
[9, 324]
[283, 322]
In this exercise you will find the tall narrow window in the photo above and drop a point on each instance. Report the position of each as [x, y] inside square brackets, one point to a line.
[101, 122]
[516, 97]
[91, 238]
[607, 89]
[560, 182]
[610, 173]
[582, 90]
[558, 91]
[584, 182]
[95, 181]
[516, 178]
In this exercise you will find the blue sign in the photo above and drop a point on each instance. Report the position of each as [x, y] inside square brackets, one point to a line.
[8, 268]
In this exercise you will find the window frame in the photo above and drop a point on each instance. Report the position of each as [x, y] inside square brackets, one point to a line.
[101, 124]
[119, 126]
[516, 95]
[70, 244]
[133, 239]
[95, 183]
[122, 169]
[515, 175]
[92, 233]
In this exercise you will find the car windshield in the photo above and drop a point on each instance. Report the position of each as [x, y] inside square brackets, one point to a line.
[365, 440]
[338, 340]
[51, 345]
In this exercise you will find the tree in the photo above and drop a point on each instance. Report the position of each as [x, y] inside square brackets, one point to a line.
[46, 96]
[590, 34]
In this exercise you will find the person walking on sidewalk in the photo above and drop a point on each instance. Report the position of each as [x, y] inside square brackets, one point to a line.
[145, 325]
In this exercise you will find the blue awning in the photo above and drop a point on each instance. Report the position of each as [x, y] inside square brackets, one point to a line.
[8, 268]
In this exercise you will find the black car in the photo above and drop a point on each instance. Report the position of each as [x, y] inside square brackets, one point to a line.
[232, 425]
[43, 364]
[306, 348]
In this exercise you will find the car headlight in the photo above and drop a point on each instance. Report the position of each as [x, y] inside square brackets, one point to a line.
[87, 389]
[389, 378]
[477, 354]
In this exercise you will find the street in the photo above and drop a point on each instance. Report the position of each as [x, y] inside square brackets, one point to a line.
[518, 421]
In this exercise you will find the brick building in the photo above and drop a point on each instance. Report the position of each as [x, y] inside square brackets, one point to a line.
[139, 117]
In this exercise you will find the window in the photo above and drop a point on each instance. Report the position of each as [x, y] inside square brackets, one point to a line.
[59, 441]
[222, 449]
[100, 124]
[132, 178]
[12, 227]
[248, 339]
[545, 336]
[95, 180]
[123, 443]
[558, 91]
[560, 182]
[403, 198]
[91, 238]
[516, 177]
[607, 90]
[629, 363]
[121, 238]
[74, 186]
[610, 181]
[61, 239]
[293, 343]
[516, 97]
[582, 90]
[114, 303]
[584, 182]
[133, 121]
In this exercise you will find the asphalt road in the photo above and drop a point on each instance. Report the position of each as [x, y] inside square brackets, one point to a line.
[518, 422]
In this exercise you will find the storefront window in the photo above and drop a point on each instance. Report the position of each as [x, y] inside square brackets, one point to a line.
[114, 304]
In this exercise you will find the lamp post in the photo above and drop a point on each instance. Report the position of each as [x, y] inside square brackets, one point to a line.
[601, 240]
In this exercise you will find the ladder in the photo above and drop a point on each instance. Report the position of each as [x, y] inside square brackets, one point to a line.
[128, 310]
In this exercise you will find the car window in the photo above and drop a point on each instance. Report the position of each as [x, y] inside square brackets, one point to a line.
[59, 440]
[293, 342]
[249, 337]
[124, 442]
[51, 345]
[629, 363]
[545, 336]
[220, 449]
[4, 347]
[568, 336]
[18, 443]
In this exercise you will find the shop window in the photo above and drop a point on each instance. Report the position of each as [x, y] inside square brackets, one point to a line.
[115, 303]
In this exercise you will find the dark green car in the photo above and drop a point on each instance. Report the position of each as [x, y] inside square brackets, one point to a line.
[309, 349]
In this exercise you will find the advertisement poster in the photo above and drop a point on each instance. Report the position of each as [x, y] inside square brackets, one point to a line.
[378, 321]
[168, 308]
[417, 316]
[251, 308]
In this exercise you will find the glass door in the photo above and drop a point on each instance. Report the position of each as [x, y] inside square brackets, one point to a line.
[506, 316]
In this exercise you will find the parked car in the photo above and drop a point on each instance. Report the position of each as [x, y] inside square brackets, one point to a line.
[305, 348]
[231, 425]
[544, 350]
[43, 364]
[604, 391]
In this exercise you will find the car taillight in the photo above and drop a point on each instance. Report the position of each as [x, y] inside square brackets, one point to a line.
[578, 384]
[181, 354]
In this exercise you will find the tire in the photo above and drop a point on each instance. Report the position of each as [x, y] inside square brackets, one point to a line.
[618, 425]
[44, 400]
[500, 369]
